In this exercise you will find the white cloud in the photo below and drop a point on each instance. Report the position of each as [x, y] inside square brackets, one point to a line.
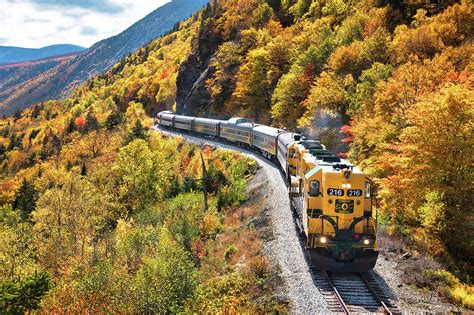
[39, 23]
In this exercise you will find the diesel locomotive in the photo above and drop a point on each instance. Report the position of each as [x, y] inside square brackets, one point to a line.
[330, 198]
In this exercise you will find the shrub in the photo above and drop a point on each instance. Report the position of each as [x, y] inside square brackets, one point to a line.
[446, 283]
[259, 267]
[229, 251]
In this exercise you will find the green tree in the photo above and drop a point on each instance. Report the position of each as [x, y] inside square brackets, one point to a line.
[25, 199]
[21, 296]
[17, 249]
[115, 118]
[140, 175]
[91, 122]
[137, 132]
[167, 281]
[69, 216]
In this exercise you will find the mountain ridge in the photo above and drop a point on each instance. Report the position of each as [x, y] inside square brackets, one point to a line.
[57, 81]
[13, 54]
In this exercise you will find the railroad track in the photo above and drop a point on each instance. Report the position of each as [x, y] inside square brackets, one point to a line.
[351, 293]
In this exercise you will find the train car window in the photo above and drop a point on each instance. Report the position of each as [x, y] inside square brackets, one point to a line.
[292, 153]
[314, 188]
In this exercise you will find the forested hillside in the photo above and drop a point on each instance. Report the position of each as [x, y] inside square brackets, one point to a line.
[387, 83]
[95, 217]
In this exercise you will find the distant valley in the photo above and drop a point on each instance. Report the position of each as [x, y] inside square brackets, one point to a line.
[24, 84]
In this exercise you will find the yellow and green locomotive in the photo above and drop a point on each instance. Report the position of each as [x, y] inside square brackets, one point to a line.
[332, 202]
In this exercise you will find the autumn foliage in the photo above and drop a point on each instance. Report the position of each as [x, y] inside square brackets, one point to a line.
[386, 83]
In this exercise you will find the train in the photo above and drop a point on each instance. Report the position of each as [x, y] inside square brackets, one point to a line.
[330, 198]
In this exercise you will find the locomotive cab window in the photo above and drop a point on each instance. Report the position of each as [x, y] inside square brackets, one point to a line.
[314, 188]
[367, 192]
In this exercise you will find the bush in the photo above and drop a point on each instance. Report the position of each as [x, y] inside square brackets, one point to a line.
[259, 267]
[446, 283]
[464, 295]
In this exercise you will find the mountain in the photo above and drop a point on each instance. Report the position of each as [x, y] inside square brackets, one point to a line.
[10, 54]
[58, 80]
[12, 75]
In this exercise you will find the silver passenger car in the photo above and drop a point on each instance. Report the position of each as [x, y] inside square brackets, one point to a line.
[237, 130]
[183, 122]
[265, 138]
[207, 126]
[166, 118]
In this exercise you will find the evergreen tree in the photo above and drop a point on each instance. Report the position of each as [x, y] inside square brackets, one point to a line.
[36, 111]
[114, 119]
[2, 151]
[91, 122]
[14, 142]
[17, 115]
[25, 199]
[84, 169]
[71, 127]
[137, 132]
[19, 297]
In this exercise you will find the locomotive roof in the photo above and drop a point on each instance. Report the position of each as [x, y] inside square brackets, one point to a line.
[312, 144]
[317, 153]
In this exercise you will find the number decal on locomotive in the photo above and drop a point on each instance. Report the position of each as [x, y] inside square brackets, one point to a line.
[354, 193]
[335, 192]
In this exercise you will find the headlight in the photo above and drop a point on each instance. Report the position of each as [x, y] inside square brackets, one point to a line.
[366, 242]
[323, 240]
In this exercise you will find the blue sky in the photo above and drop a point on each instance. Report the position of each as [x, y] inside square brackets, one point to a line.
[39, 23]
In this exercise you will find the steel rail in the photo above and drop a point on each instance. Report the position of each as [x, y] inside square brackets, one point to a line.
[374, 293]
[339, 298]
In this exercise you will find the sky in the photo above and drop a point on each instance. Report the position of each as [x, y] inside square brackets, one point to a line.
[39, 23]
